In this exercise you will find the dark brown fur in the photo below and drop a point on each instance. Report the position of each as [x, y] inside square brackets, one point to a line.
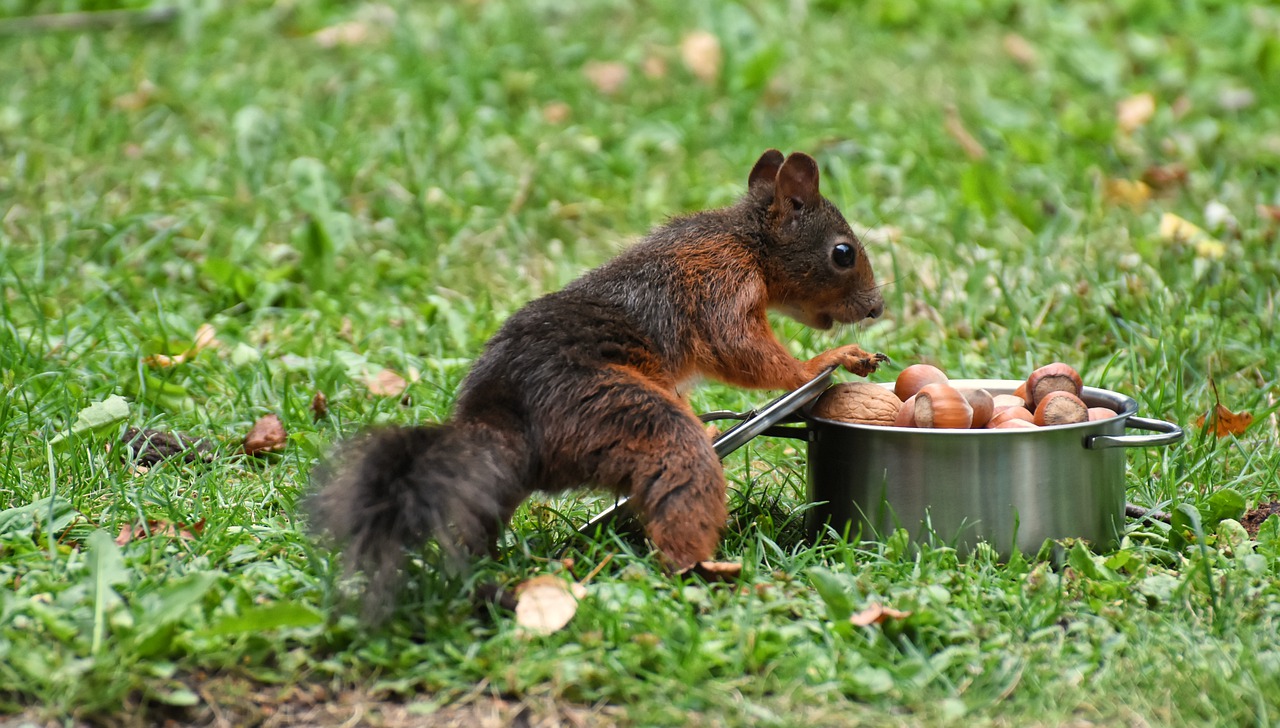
[580, 386]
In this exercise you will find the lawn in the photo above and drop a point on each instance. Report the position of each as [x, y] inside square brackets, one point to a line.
[321, 211]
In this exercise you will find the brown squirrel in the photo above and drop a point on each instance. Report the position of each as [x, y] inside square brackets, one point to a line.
[581, 386]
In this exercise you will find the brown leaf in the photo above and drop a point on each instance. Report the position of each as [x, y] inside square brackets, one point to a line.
[1225, 422]
[1020, 50]
[1134, 112]
[546, 603]
[267, 435]
[320, 406]
[701, 54]
[154, 527]
[386, 383]
[954, 125]
[607, 76]
[1165, 176]
[1271, 212]
[875, 614]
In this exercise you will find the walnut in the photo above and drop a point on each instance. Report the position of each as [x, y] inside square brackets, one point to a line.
[862, 403]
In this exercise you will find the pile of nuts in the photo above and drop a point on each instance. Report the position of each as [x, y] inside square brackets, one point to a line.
[923, 397]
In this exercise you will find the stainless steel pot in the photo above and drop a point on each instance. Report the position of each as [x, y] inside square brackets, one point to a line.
[1010, 488]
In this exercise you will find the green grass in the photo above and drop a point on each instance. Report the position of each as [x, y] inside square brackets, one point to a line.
[334, 211]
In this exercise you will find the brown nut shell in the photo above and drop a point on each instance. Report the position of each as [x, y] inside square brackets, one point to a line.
[914, 378]
[1055, 377]
[1009, 413]
[907, 413]
[1101, 413]
[941, 406]
[1014, 424]
[861, 403]
[983, 405]
[1008, 400]
[1060, 408]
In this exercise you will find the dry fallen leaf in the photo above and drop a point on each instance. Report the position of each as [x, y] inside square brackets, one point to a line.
[607, 76]
[954, 125]
[320, 406]
[716, 570]
[654, 67]
[1134, 112]
[1165, 176]
[556, 112]
[1132, 193]
[1174, 229]
[386, 383]
[205, 337]
[267, 435]
[136, 99]
[349, 33]
[545, 604]
[701, 54]
[1020, 49]
[131, 532]
[875, 614]
[1225, 422]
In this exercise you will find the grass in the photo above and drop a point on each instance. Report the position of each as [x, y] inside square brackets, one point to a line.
[332, 212]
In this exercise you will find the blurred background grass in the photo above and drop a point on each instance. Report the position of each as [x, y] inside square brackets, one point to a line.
[339, 188]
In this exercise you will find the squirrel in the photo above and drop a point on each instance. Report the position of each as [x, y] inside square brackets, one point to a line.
[582, 386]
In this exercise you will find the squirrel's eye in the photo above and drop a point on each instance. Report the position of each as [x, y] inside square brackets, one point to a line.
[844, 255]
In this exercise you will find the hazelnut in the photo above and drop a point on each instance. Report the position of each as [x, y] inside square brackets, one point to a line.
[1010, 413]
[1060, 408]
[907, 413]
[861, 403]
[1101, 413]
[983, 405]
[1014, 424]
[1055, 377]
[914, 377]
[941, 406]
[1001, 401]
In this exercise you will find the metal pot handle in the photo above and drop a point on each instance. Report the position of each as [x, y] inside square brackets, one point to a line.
[1169, 434]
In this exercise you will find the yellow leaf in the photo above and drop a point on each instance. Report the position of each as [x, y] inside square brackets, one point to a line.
[1133, 193]
[1174, 229]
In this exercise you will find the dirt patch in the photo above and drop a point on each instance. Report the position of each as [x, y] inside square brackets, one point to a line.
[1252, 520]
[233, 703]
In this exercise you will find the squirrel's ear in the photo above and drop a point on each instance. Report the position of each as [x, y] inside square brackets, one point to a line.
[797, 182]
[766, 170]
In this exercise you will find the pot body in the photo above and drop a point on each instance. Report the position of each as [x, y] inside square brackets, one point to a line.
[1010, 488]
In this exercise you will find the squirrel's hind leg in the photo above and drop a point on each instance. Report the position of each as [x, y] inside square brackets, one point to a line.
[648, 445]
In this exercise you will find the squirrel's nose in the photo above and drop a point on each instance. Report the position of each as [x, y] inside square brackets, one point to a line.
[876, 309]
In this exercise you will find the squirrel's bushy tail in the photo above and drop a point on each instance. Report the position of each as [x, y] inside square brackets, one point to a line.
[396, 488]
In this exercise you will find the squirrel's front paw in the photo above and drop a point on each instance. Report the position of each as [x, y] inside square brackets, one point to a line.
[861, 362]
